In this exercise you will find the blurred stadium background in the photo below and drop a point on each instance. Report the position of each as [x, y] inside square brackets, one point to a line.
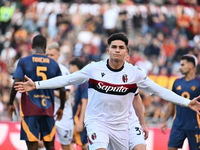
[160, 32]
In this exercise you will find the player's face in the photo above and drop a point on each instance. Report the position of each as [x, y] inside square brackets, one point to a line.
[53, 54]
[73, 68]
[184, 67]
[117, 50]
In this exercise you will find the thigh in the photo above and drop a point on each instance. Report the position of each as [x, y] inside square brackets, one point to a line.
[118, 140]
[48, 128]
[101, 136]
[97, 137]
[65, 132]
[136, 137]
[30, 128]
[193, 139]
[32, 145]
[49, 145]
[139, 147]
[176, 138]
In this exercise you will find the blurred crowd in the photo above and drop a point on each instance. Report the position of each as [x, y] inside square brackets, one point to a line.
[159, 31]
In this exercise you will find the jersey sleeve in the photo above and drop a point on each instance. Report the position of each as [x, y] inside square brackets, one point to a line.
[19, 73]
[65, 71]
[173, 86]
[75, 78]
[142, 77]
[149, 86]
[84, 90]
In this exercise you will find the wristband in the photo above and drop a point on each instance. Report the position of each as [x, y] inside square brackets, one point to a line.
[37, 84]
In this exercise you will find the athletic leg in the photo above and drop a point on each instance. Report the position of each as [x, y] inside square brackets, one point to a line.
[32, 145]
[139, 147]
[48, 130]
[30, 131]
[171, 148]
[65, 147]
[49, 145]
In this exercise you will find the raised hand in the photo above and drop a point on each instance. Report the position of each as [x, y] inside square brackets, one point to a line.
[195, 104]
[21, 87]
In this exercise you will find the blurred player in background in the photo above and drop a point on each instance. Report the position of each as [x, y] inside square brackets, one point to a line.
[64, 127]
[80, 103]
[37, 106]
[186, 122]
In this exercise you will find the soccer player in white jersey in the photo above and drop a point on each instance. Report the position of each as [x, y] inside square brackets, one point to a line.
[65, 126]
[112, 86]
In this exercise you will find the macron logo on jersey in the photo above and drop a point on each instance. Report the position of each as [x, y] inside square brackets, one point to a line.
[145, 78]
[102, 74]
[108, 88]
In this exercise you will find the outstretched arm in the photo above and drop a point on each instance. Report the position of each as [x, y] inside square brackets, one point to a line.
[77, 77]
[151, 87]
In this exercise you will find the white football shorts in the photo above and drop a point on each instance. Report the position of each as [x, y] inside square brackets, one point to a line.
[100, 136]
[65, 132]
[136, 136]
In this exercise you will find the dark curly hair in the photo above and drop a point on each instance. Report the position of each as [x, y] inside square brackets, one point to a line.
[190, 58]
[118, 36]
[39, 41]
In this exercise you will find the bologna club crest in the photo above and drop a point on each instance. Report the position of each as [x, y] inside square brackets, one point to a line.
[93, 136]
[89, 141]
[125, 78]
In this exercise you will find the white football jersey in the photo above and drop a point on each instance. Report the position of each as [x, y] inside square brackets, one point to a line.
[111, 92]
